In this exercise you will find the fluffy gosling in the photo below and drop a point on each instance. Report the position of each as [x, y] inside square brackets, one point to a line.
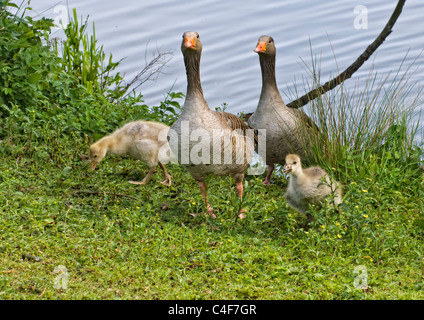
[142, 140]
[308, 186]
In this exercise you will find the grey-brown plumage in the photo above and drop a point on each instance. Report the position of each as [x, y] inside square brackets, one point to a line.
[308, 186]
[206, 141]
[142, 140]
[285, 127]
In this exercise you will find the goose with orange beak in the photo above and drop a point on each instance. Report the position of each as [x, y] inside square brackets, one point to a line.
[285, 127]
[196, 117]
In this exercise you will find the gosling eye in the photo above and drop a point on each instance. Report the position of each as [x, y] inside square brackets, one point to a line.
[197, 36]
[294, 162]
[95, 156]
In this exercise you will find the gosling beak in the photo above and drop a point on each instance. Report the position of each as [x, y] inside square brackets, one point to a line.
[287, 168]
[93, 165]
[190, 42]
[260, 47]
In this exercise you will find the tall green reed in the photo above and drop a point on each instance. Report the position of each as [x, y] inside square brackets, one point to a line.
[86, 60]
[376, 116]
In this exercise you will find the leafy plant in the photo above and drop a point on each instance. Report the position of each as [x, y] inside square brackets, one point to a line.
[27, 66]
[65, 89]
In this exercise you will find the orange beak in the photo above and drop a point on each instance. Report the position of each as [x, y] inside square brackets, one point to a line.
[93, 165]
[190, 42]
[260, 47]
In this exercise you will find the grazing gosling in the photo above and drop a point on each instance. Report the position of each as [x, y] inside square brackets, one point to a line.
[308, 186]
[142, 140]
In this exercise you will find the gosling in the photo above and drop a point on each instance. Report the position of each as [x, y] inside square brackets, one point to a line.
[142, 140]
[308, 186]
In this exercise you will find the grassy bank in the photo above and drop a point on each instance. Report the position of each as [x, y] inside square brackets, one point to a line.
[67, 232]
[118, 240]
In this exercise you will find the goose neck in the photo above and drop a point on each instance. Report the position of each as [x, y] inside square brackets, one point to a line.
[194, 86]
[267, 64]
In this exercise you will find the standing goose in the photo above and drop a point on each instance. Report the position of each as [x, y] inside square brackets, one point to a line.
[206, 141]
[284, 126]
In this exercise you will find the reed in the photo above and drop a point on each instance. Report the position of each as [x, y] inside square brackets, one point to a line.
[86, 60]
[376, 116]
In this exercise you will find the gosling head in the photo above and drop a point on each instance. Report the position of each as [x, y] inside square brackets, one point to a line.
[191, 42]
[265, 46]
[293, 165]
[97, 153]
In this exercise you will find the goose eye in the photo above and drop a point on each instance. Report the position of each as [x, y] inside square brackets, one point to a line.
[294, 162]
[197, 36]
[95, 156]
[270, 41]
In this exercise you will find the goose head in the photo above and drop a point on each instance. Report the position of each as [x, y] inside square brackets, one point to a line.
[293, 165]
[265, 46]
[191, 43]
[97, 153]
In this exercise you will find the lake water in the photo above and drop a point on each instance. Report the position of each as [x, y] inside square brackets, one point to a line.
[229, 31]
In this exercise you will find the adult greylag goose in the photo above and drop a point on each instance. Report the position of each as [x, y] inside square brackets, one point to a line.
[308, 186]
[142, 140]
[206, 141]
[284, 126]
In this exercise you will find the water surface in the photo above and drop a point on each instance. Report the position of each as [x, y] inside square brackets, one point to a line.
[229, 30]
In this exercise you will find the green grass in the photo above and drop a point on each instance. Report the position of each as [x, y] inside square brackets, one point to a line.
[116, 247]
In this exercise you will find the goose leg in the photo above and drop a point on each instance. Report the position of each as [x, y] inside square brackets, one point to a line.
[146, 178]
[267, 180]
[239, 188]
[202, 186]
[167, 180]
